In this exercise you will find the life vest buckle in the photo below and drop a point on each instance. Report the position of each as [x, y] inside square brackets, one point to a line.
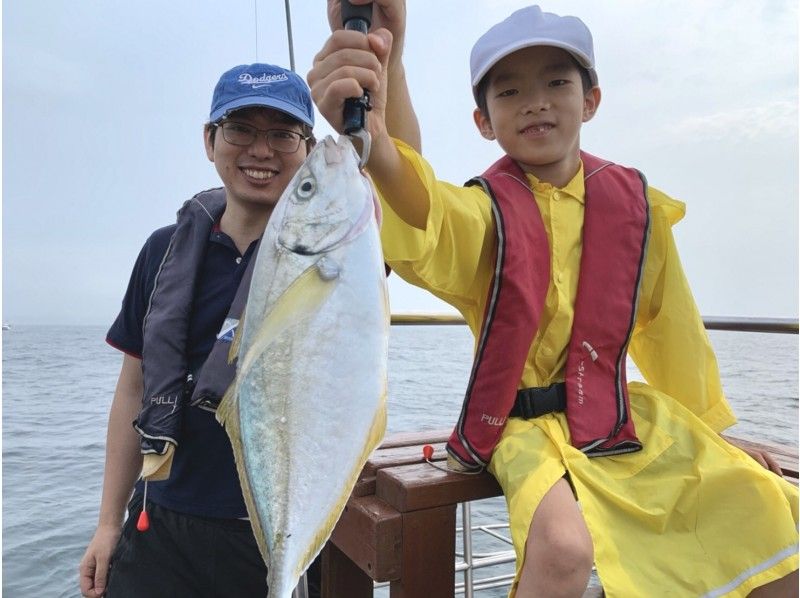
[538, 401]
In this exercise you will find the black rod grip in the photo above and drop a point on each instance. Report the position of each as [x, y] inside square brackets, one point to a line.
[355, 113]
[352, 12]
[356, 18]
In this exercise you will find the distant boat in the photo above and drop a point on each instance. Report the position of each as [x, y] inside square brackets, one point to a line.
[6, 326]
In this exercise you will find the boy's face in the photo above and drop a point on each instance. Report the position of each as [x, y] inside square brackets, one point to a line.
[536, 106]
[255, 174]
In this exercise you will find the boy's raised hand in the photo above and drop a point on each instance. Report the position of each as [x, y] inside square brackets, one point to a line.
[386, 14]
[348, 63]
[393, 111]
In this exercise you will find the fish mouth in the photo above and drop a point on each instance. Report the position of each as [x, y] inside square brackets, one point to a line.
[346, 234]
[302, 250]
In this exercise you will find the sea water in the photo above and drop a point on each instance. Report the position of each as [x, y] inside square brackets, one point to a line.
[58, 384]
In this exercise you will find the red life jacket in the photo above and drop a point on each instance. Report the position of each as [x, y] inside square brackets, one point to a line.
[615, 232]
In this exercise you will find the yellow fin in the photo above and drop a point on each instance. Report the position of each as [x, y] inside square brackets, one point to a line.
[373, 439]
[233, 352]
[300, 300]
[157, 467]
[228, 415]
[226, 408]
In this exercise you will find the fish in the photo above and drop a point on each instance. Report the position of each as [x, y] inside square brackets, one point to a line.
[308, 403]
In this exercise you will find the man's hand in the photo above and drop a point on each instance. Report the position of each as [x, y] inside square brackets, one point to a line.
[386, 14]
[93, 569]
[348, 63]
[764, 459]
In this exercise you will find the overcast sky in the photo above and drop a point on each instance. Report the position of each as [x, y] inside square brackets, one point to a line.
[104, 102]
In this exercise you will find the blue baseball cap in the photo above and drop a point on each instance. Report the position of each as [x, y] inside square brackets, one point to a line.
[263, 85]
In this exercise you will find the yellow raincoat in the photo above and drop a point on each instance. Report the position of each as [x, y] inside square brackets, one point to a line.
[689, 515]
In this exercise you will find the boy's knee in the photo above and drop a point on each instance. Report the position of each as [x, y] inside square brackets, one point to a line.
[557, 566]
[565, 554]
[560, 553]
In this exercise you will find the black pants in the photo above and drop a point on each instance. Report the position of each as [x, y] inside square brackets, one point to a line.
[185, 556]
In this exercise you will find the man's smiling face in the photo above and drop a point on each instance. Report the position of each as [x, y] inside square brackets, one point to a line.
[255, 174]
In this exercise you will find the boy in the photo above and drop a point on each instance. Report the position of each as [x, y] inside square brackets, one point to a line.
[561, 262]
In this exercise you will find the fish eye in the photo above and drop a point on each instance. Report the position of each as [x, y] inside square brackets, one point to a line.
[306, 188]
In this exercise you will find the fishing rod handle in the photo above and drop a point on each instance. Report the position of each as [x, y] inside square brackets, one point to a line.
[356, 18]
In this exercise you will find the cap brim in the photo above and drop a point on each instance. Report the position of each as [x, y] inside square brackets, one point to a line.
[261, 102]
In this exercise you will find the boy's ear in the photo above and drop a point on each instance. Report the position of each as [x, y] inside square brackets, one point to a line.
[591, 101]
[484, 124]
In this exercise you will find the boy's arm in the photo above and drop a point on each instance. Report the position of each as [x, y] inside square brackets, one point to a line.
[348, 63]
[401, 120]
[435, 235]
[670, 345]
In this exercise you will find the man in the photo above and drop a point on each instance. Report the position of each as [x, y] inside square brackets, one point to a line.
[198, 542]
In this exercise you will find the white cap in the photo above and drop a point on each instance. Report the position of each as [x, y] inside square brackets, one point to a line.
[527, 27]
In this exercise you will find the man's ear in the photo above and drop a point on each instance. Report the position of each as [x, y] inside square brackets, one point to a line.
[484, 124]
[207, 142]
[591, 101]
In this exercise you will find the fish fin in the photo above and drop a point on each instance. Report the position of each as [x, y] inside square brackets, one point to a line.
[300, 300]
[374, 437]
[156, 467]
[228, 415]
[233, 352]
[226, 410]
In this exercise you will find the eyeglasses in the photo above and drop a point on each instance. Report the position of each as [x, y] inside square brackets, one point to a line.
[280, 140]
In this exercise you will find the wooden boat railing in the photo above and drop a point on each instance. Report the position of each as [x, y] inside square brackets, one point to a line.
[399, 525]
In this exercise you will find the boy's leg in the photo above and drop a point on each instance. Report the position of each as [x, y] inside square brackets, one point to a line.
[558, 553]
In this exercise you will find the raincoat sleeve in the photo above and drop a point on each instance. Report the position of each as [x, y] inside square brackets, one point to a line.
[669, 344]
[450, 257]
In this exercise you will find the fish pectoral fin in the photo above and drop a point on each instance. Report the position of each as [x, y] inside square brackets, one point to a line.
[157, 467]
[299, 301]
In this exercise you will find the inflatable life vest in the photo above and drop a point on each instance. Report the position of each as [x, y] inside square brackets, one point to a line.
[168, 386]
[615, 233]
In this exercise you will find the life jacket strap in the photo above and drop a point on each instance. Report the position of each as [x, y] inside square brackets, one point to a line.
[537, 401]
